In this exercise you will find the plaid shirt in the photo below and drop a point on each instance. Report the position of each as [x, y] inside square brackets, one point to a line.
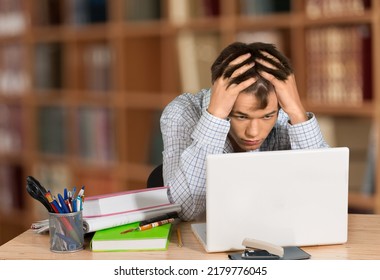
[190, 133]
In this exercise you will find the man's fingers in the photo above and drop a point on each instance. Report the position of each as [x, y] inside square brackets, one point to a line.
[240, 59]
[241, 70]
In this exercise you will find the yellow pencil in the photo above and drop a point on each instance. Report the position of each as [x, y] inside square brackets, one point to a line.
[179, 237]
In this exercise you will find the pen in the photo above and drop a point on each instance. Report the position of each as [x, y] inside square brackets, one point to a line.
[74, 204]
[81, 193]
[79, 203]
[63, 204]
[149, 226]
[159, 218]
[68, 205]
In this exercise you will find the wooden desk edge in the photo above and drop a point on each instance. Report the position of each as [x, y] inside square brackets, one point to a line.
[363, 243]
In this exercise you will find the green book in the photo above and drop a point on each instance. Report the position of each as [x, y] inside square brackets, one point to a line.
[111, 239]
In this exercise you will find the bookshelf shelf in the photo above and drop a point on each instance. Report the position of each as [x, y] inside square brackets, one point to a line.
[366, 109]
[106, 78]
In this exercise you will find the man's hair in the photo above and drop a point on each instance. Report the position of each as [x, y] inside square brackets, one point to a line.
[281, 67]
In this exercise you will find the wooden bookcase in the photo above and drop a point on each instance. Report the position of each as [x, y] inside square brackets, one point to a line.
[91, 83]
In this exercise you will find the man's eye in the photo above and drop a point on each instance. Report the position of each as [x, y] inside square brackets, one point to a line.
[241, 117]
[268, 117]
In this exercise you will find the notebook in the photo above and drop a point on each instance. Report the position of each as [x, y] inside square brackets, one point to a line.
[288, 198]
[112, 240]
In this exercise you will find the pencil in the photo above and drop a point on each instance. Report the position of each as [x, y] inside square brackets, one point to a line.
[149, 226]
[179, 237]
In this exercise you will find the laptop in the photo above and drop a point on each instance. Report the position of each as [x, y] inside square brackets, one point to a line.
[287, 198]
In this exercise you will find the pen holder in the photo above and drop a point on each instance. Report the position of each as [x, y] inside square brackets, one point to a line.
[66, 232]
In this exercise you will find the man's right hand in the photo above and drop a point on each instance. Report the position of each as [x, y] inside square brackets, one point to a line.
[223, 95]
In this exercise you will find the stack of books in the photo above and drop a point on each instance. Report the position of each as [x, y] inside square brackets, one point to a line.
[116, 219]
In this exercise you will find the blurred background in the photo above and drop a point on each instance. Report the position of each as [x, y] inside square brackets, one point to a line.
[83, 84]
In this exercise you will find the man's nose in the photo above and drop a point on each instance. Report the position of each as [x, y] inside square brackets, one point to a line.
[252, 129]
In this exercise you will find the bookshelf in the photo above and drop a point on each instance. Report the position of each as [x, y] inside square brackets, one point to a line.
[82, 84]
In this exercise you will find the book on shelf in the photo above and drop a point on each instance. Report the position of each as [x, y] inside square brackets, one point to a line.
[142, 10]
[196, 53]
[13, 76]
[48, 66]
[11, 132]
[51, 130]
[123, 202]
[259, 7]
[276, 37]
[97, 60]
[13, 18]
[96, 122]
[147, 240]
[181, 11]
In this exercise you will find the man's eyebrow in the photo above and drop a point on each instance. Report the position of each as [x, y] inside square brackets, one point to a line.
[238, 113]
[245, 114]
[270, 113]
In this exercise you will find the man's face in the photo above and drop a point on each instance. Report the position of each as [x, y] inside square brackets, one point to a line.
[250, 125]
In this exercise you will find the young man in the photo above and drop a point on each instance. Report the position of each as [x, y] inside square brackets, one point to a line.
[253, 105]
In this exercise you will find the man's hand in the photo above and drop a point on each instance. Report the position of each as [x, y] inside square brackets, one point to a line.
[287, 94]
[223, 96]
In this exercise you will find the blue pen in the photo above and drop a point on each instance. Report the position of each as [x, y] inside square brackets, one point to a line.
[63, 204]
[74, 191]
[71, 243]
[65, 196]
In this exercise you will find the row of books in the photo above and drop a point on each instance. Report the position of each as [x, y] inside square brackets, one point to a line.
[95, 130]
[109, 216]
[339, 64]
[96, 64]
[52, 12]
[325, 8]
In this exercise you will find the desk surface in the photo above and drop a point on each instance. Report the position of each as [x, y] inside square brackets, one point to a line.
[363, 243]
